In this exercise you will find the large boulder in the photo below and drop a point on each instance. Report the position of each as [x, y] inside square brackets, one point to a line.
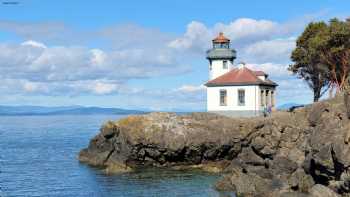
[245, 184]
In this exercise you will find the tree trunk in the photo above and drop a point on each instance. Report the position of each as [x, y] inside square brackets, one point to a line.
[317, 94]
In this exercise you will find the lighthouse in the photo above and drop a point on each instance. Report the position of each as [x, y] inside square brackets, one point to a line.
[221, 57]
[236, 91]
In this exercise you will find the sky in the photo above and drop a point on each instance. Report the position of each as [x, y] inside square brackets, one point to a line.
[145, 54]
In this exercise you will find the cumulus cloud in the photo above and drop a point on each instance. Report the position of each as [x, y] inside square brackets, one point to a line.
[196, 38]
[248, 30]
[35, 67]
[35, 62]
[256, 41]
[277, 50]
[57, 60]
[241, 31]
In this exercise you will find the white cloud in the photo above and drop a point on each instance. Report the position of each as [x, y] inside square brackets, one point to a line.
[60, 63]
[242, 31]
[103, 88]
[277, 50]
[55, 59]
[34, 44]
[274, 70]
[256, 41]
[248, 29]
[98, 57]
[31, 87]
[196, 38]
[190, 88]
[293, 90]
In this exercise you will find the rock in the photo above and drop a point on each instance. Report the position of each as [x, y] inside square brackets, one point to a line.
[288, 194]
[114, 167]
[249, 157]
[322, 191]
[224, 184]
[316, 113]
[282, 165]
[165, 139]
[283, 155]
[244, 184]
[300, 181]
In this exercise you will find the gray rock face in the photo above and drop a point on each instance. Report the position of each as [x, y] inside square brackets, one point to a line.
[322, 191]
[347, 102]
[283, 155]
[165, 139]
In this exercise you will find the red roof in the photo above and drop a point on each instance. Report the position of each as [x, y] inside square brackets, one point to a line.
[221, 38]
[240, 76]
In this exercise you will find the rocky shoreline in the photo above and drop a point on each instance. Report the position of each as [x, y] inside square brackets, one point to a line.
[300, 153]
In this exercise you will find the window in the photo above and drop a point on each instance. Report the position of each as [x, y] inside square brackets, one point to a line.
[241, 97]
[210, 65]
[224, 66]
[216, 45]
[224, 46]
[223, 97]
[262, 98]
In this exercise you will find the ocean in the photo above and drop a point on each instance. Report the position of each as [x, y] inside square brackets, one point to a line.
[38, 157]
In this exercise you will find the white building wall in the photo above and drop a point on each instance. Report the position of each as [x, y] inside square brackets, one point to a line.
[252, 98]
[262, 77]
[216, 68]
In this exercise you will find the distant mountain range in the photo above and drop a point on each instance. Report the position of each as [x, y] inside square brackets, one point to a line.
[66, 110]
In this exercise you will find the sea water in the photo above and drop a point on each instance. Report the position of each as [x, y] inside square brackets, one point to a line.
[38, 157]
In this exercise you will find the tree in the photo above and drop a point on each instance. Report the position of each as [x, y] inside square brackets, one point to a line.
[334, 48]
[322, 56]
[307, 60]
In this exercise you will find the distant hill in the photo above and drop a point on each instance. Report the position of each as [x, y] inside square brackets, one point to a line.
[66, 110]
[288, 106]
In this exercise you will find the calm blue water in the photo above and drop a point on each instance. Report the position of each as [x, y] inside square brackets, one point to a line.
[38, 158]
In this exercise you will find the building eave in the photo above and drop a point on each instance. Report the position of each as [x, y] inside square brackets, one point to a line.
[241, 84]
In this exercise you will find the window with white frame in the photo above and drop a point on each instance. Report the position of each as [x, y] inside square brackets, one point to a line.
[262, 100]
[223, 97]
[241, 97]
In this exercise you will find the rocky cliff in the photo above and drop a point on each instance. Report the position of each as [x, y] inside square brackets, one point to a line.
[300, 153]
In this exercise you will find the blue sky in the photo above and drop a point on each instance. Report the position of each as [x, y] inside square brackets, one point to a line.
[144, 54]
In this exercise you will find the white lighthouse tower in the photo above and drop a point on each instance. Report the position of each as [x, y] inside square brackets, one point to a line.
[220, 57]
[236, 91]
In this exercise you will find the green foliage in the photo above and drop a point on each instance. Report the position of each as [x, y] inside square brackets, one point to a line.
[322, 56]
[307, 60]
